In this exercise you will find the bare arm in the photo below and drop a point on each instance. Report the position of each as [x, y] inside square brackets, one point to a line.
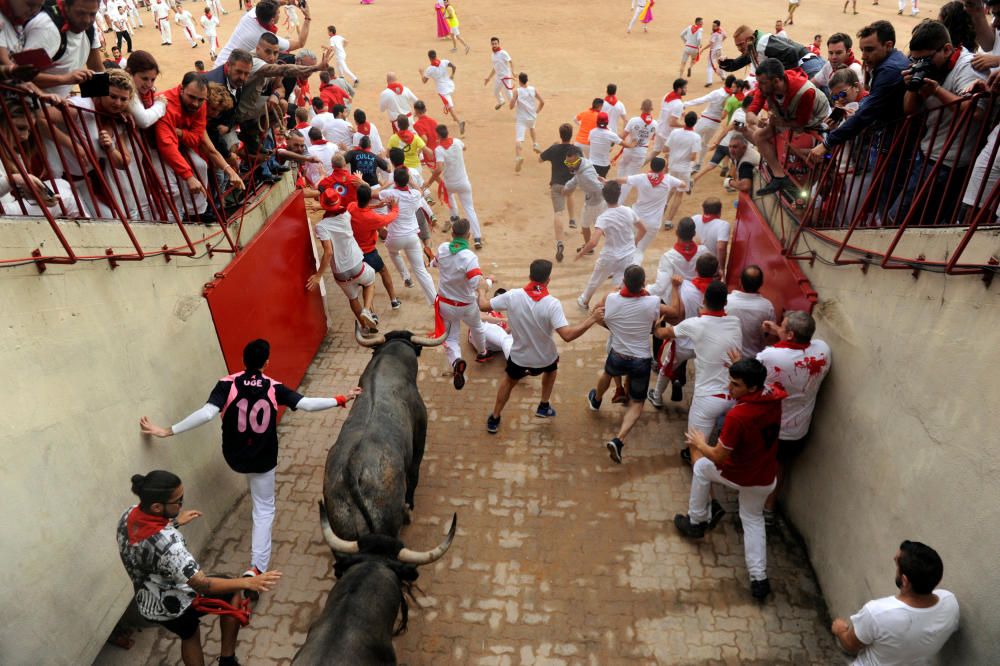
[845, 635]
[300, 41]
[571, 333]
[589, 245]
[985, 34]
[717, 454]
[324, 266]
[513, 99]
[208, 585]
[541, 102]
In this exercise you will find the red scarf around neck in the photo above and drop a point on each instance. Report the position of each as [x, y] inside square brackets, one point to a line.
[701, 283]
[496, 49]
[406, 136]
[655, 178]
[536, 291]
[625, 293]
[270, 27]
[140, 525]
[365, 128]
[209, 15]
[672, 96]
[646, 117]
[687, 250]
[611, 99]
[714, 29]
[396, 87]
[436, 62]
[790, 344]
[446, 143]
[713, 313]
[706, 218]
[318, 142]
[739, 95]
[695, 28]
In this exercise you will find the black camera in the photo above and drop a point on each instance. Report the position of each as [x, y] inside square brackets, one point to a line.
[919, 69]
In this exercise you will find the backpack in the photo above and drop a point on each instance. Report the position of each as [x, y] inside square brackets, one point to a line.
[57, 12]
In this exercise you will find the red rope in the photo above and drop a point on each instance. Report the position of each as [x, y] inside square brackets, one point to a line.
[214, 606]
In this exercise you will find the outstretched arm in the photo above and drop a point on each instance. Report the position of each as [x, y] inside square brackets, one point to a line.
[193, 420]
[570, 333]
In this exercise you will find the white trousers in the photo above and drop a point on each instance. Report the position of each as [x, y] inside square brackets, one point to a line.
[501, 92]
[635, 15]
[262, 501]
[606, 267]
[453, 317]
[412, 248]
[652, 228]
[134, 18]
[713, 56]
[179, 191]
[191, 34]
[914, 6]
[166, 36]
[497, 339]
[983, 170]
[751, 500]
[629, 165]
[705, 412]
[345, 71]
[706, 129]
[462, 194]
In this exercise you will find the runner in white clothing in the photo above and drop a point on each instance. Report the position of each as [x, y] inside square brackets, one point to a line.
[638, 132]
[337, 44]
[134, 18]
[620, 227]
[444, 83]
[602, 140]
[216, 7]
[501, 73]
[183, 18]
[528, 103]
[714, 48]
[712, 115]
[396, 100]
[671, 111]
[752, 309]
[617, 115]
[654, 189]
[678, 260]
[450, 168]
[403, 233]
[458, 277]
[712, 231]
[691, 37]
[685, 150]
[161, 16]
[210, 26]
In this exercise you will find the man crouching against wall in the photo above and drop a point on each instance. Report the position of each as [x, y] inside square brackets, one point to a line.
[745, 460]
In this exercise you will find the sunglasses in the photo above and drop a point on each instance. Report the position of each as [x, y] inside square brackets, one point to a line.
[838, 96]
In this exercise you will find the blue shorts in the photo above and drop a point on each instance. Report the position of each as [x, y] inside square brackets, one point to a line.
[374, 259]
[636, 369]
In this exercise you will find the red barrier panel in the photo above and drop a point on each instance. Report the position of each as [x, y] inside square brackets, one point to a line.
[754, 243]
[261, 294]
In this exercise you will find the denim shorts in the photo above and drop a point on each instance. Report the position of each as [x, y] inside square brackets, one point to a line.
[636, 369]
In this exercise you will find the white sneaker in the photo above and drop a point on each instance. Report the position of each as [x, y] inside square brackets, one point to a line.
[368, 319]
[654, 400]
[581, 304]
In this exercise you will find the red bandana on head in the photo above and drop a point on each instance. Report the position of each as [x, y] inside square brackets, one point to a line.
[611, 99]
[396, 87]
[646, 117]
[140, 525]
[687, 250]
[536, 291]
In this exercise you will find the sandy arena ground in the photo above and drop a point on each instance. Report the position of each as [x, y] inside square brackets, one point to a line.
[561, 557]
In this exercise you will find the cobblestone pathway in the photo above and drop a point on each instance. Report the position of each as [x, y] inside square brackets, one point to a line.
[561, 556]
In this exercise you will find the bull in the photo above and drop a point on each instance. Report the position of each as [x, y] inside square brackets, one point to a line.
[373, 469]
[375, 575]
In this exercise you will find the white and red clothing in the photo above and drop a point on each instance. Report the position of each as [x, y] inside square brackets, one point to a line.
[371, 131]
[458, 277]
[671, 107]
[678, 260]
[210, 26]
[630, 318]
[402, 236]
[709, 230]
[502, 78]
[685, 149]
[340, 55]
[711, 336]
[800, 370]
[348, 267]
[641, 129]
[822, 79]
[324, 151]
[752, 310]
[711, 116]
[533, 318]
[618, 226]
[602, 140]
[652, 190]
[526, 111]
[454, 176]
[184, 19]
[691, 36]
[443, 83]
[247, 33]
[615, 110]
[396, 100]
[715, 39]
[161, 17]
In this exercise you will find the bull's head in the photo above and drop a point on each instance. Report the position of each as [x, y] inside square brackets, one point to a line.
[417, 341]
[405, 555]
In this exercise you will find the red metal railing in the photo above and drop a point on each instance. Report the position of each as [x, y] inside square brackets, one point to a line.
[935, 169]
[87, 185]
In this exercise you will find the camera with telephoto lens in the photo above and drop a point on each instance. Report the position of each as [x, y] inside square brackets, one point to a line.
[919, 69]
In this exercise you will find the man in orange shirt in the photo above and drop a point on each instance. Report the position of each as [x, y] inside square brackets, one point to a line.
[587, 120]
[365, 223]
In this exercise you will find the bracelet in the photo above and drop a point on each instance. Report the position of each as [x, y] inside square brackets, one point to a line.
[341, 400]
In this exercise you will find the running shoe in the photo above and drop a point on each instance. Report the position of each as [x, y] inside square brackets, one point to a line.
[492, 424]
[560, 250]
[592, 402]
[545, 411]
[458, 378]
[485, 356]
[408, 283]
[760, 589]
[368, 319]
[615, 447]
[654, 399]
[691, 530]
[478, 242]
[395, 303]
[572, 223]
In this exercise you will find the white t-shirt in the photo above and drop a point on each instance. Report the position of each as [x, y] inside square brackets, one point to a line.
[454, 282]
[41, 33]
[692, 40]
[712, 337]
[161, 11]
[822, 79]
[673, 108]
[614, 111]
[684, 146]
[618, 225]
[960, 153]
[245, 36]
[715, 40]
[652, 199]
[209, 25]
[184, 19]
[394, 105]
[532, 325]
[752, 310]
[332, 130]
[711, 232]
[630, 320]
[713, 101]
[442, 77]
[453, 159]
[800, 372]
[501, 64]
[899, 635]
[527, 105]
[373, 136]
[347, 254]
[324, 152]
[337, 44]
[640, 131]
[601, 141]
[409, 200]
[673, 263]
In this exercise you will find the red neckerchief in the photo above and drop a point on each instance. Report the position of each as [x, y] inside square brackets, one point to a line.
[611, 99]
[318, 142]
[953, 59]
[404, 188]
[714, 29]
[850, 60]
[446, 143]
[862, 94]
[687, 250]
[690, 129]
[6, 11]
[672, 96]
[406, 136]
[536, 291]
[396, 87]
[646, 118]
[706, 218]
[436, 62]
[789, 344]
[299, 126]
[729, 91]
[701, 284]
[625, 293]
[713, 313]
[148, 99]
[739, 95]
[771, 393]
[655, 178]
[270, 27]
[209, 14]
[140, 525]
[695, 28]
[496, 49]
[365, 128]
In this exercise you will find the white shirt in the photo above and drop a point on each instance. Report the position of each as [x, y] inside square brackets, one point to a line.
[800, 372]
[184, 18]
[692, 299]
[532, 325]
[245, 36]
[618, 224]
[630, 320]
[652, 199]
[324, 152]
[614, 112]
[640, 131]
[684, 146]
[601, 141]
[454, 282]
[162, 11]
[710, 233]
[822, 79]
[347, 254]
[41, 33]
[960, 153]
[672, 109]
[673, 263]
[209, 25]
[336, 130]
[713, 337]
[409, 201]
[501, 64]
[752, 310]
[527, 104]
[715, 40]
[896, 634]
[453, 160]
[442, 77]
[692, 40]
[337, 44]
[373, 136]
[713, 101]
[394, 105]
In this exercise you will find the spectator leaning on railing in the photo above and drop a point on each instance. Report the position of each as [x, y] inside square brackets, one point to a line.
[259, 20]
[66, 32]
[755, 46]
[183, 125]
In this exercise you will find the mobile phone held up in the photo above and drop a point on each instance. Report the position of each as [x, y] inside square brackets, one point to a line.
[99, 85]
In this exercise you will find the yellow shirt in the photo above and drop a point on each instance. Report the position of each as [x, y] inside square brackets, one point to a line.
[411, 152]
[451, 17]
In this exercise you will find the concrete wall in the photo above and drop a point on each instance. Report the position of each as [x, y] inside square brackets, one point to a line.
[903, 445]
[86, 351]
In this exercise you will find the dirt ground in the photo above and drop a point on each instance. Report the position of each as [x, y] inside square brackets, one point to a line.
[561, 557]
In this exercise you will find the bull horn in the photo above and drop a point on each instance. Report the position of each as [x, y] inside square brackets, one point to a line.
[336, 544]
[408, 556]
[373, 341]
[428, 342]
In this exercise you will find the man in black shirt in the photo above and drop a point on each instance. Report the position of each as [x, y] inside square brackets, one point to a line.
[362, 160]
[248, 402]
[556, 155]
